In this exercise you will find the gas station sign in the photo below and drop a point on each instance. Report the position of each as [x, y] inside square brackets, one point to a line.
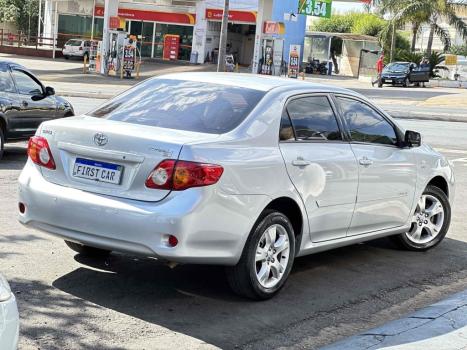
[317, 8]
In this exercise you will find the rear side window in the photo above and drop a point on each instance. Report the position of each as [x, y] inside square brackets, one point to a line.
[366, 124]
[74, 42]
[6, 82]
[313, 119]
[182, 105]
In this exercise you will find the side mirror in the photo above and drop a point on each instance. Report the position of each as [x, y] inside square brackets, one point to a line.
[413, 139]
[49, 91]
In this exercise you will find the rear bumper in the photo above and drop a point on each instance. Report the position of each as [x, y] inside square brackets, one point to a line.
[211, 228]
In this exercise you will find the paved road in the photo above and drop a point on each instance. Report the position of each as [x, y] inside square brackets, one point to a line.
[124, 302]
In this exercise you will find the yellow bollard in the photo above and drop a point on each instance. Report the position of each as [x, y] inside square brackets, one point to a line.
[137, 70]
[237, 68]
[85, 59]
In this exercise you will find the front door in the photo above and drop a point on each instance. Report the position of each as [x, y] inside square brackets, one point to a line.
[320, 164]
[387, 172]
[31, 113]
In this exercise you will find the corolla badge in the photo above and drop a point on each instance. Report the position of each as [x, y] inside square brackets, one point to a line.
[100, 139]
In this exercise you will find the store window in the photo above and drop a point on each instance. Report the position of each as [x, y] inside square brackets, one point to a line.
[186, 39]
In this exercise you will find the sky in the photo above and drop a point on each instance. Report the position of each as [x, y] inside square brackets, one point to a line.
[345, 7]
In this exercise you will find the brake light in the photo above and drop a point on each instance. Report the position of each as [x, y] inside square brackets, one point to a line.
[39, 152]
[181, 175]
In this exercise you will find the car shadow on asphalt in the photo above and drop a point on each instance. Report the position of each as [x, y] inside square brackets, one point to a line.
[196, 300]
[14, 156]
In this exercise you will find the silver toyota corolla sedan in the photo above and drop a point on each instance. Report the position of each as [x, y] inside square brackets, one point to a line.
[237, 170]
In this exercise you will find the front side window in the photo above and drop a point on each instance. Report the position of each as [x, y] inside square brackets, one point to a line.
[313, 119]
[182, 105]
[25, 84]
[365, 124]
[6, 83]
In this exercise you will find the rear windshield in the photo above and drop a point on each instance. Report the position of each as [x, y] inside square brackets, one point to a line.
[74, 42]
[182, 105]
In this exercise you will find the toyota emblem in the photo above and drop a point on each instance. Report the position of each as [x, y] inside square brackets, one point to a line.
[100, 139]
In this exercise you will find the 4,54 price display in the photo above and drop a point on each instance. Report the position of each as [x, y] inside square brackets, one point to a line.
[318, 8]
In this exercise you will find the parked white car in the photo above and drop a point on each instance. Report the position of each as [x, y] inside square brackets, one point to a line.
[238, 170]
[9, 317]
[76, 48]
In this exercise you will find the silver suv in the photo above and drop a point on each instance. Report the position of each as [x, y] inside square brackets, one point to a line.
[237, 170]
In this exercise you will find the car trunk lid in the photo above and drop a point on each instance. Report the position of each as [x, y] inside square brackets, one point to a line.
[128, 151]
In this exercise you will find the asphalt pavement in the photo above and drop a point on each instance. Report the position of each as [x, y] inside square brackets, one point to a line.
[124, 302]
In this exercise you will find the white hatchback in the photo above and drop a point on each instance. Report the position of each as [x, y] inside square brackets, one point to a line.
[238, 170]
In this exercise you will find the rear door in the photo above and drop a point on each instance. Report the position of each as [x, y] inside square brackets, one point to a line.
[31, 113]
[387, 172]
[320, 163]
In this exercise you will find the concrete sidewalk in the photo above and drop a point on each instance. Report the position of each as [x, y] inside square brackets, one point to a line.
[441, 326]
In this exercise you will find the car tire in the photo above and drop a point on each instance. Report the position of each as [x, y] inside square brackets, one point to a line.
[427, 224]
[66, 57]
[87, 250]
[267, 256]
[2, 143]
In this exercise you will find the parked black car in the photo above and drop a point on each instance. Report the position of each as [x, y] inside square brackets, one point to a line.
[25, 103]
[404, 73]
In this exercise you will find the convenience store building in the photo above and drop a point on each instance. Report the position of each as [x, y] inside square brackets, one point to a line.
[197, 22]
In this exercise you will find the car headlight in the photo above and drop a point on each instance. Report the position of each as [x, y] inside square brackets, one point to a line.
[5, 290]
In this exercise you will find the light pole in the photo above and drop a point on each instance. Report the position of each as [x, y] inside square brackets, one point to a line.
[39, 20]
[223, 38]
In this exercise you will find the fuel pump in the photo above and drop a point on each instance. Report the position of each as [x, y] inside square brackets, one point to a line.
[112, 58]
[272, 56]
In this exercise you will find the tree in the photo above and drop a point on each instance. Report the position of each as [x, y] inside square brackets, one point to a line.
[420, 12]
[9, 11]
[23, 13]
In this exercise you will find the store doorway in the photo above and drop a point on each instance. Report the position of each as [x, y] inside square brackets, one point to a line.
[241, 42]
[144, 31]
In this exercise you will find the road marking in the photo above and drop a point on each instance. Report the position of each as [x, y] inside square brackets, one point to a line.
[446, 150]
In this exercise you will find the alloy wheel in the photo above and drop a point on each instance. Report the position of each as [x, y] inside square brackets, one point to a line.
[427, 220]
[272, 256]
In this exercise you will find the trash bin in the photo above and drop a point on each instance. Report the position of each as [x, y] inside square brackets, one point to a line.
[194, 57]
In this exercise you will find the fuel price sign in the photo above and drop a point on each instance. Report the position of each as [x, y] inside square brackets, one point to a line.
[317, 8]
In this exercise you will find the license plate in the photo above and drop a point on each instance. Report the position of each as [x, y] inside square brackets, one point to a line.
[388, 80]
[97, 171]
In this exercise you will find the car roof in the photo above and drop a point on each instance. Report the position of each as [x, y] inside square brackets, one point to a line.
[254, 81]
[4, 63]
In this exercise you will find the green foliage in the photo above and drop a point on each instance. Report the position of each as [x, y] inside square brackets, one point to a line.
[23, 13]
[368, 24]
[9, 11]
[335, 24]
[458, 50]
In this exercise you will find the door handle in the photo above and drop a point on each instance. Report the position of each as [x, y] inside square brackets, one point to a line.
[25, 103]
[300, 162]
[365, 161]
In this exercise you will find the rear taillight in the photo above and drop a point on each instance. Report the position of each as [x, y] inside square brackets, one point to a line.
[39, 152]
[80, 48]
[180, 175]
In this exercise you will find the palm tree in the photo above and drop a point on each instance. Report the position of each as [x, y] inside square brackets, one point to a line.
[419, 12]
